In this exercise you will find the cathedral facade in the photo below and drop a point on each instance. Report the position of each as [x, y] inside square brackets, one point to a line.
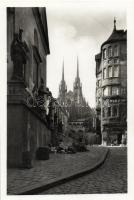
[73, 100]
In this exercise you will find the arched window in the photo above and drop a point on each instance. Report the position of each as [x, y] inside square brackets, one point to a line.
[104, 73]
[115, 90]
[106, 91]
[109, 71]
[116, 50]
[104, 54]
[36, 41]
[116, 71]
[109, 51]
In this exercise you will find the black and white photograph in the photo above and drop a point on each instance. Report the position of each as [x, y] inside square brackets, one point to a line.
[67, 100]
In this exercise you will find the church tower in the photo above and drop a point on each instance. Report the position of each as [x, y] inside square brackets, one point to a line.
[77, 89]
[62, 89]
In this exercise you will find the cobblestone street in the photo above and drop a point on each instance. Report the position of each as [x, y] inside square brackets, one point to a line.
[111, 177]
[57, 167]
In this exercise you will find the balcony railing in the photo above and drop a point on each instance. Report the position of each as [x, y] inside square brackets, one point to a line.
[110, 81]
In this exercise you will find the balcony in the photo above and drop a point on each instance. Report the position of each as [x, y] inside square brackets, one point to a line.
[112, 97]
[110, 81]
[111, 121]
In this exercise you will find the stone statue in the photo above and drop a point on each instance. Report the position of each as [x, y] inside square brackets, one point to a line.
[19, 52]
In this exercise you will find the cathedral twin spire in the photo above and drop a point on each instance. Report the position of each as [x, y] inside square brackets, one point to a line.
[63, 71]
[114, 23]
[77, 76]
[77, 89]
[77, 67]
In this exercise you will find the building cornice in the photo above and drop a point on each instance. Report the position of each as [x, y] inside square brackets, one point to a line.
[43, 33]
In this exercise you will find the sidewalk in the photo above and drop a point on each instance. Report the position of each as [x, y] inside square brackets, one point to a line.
[58, 169]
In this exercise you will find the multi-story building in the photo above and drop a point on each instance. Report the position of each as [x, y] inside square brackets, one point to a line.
[111, 87]
[27, 94]
[34, 118]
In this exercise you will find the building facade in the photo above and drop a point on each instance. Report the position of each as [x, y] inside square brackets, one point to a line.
[59, 122]
[34, 118]
[74, 100]
[28, 98]
[111, 87]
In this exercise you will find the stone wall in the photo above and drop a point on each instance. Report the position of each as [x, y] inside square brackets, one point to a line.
[25, 132]
[27, 49]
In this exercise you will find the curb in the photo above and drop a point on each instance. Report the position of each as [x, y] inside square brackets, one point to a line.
[62, 180]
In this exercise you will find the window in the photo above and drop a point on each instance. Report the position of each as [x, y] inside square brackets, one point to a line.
[104, 54]
[116, 53]
[109, 111]
[110, 71]
[116, 71]
[99, 100]
[99, 83]
[106, 91]
[36, 41]
[104, 73]
[35, 72]
[115, 91]
[109, 52]
[104, 112]
[115, 111]
[116, 60]
[124, 91]
[36, 66]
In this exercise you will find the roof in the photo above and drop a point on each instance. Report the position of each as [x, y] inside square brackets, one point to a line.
[117, 35]
[98, 56]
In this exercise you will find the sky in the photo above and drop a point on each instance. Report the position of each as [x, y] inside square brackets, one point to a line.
[78, 31]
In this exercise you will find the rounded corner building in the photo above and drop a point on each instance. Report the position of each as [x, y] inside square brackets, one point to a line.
[111, 88]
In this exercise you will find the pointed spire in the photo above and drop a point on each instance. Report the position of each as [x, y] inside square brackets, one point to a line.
[77, 67]
[63, 71]
[114, 23]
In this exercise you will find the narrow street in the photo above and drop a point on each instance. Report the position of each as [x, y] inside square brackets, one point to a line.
[66, 100]
[111, 177]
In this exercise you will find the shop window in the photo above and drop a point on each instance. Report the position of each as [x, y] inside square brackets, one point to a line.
[104, 73]
[104, 54]
[115, 91]
[116, 71]
[110, 71]
[109, 52]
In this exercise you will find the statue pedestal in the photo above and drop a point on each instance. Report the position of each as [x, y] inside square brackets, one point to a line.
[26, 127]
[16, 92]
[16, 123]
